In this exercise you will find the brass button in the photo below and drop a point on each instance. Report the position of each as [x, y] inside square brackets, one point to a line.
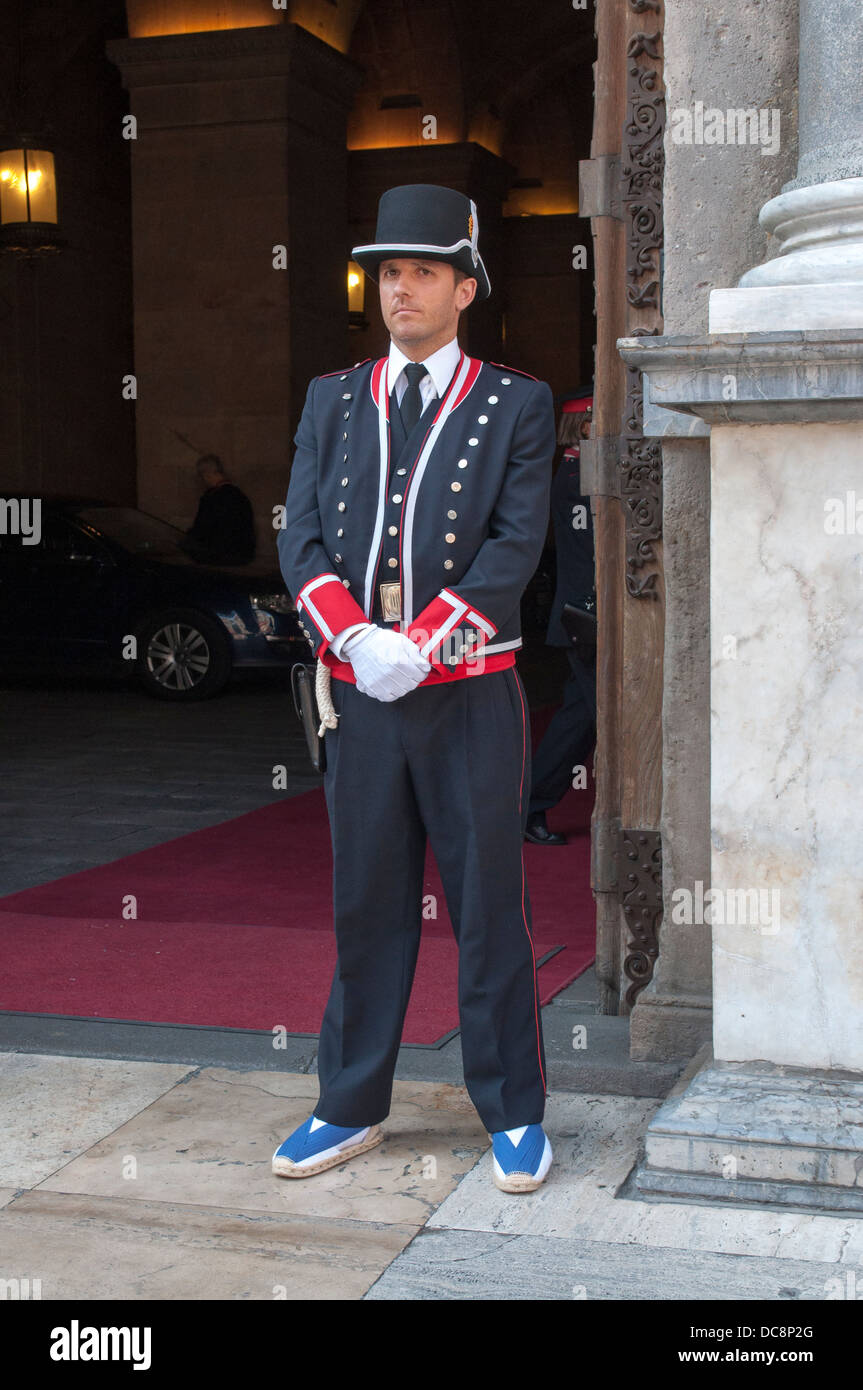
[401, 471]
[449, 538]
[455, 487]
[447, 564]
[506, 381]
[483, 420]
[342, 507]
[392, 562]
[393, 530]
[397, 497]
[452, 515]
[462, 463]
[473, 441]
[492, 400]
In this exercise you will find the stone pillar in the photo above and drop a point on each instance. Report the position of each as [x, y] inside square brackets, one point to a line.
[240, 149]
[816, 279]
[777, 1115]
[672, 1016]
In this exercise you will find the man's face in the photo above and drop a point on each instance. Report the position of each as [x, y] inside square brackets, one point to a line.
[421, 302]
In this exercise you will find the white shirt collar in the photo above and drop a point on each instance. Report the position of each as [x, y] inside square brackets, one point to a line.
[440, 365]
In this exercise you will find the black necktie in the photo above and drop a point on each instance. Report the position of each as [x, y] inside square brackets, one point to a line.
[411, 407]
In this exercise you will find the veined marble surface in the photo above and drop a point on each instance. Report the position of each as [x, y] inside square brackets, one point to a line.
[787, 741]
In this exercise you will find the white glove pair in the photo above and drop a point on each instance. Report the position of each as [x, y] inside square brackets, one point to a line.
[386, 664]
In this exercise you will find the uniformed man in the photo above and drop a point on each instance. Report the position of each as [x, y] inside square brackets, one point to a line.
[415, 517]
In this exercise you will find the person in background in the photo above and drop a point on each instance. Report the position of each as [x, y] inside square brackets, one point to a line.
[571, 735]
[223, 532]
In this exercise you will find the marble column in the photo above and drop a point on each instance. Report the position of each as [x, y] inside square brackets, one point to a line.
[816, 278]
[776, 1115]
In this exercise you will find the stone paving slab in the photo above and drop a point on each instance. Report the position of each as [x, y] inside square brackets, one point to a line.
[210, 1140]
[151, 1181]
[92, 1248]
[449, 1265]
[596, 1141]
[54, 1108]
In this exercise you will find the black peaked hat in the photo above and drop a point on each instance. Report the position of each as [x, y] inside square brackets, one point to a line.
[428, 221]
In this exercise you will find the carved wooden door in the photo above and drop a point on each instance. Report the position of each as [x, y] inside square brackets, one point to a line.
[621, 191]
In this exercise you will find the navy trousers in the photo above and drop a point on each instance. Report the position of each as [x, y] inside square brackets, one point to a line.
[569, 739]
[450, 762]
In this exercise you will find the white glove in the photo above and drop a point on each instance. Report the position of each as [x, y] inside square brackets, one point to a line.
[386, 664]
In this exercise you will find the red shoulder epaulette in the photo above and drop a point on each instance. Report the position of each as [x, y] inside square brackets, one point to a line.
[517, 370]
[345, 371]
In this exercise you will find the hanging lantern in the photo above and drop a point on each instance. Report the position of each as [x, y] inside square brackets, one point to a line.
[356, 295]
[28, 200]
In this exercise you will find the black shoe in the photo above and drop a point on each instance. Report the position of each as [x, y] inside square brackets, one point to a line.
[538, 832]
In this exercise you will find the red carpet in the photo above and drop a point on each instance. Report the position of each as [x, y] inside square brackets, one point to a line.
[234, 928]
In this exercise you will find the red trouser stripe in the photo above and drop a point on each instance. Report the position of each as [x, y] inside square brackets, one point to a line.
[523, 912]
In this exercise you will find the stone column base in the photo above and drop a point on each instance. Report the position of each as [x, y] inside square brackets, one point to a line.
[786, 308]
[762, 1133]
[666, 1027]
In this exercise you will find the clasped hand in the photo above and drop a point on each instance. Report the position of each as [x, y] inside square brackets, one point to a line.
[386, 664]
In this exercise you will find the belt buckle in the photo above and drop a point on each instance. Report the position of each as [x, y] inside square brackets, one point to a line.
[391, 601]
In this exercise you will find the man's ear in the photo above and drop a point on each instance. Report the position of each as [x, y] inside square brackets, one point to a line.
[465, 293]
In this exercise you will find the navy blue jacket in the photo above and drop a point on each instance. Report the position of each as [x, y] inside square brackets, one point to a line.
[457, 512]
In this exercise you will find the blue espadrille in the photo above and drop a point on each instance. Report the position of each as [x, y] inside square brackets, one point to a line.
[521, 1158]
[317, 1145]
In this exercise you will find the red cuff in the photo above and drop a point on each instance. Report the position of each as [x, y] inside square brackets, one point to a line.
[437, 630]
[330, 607]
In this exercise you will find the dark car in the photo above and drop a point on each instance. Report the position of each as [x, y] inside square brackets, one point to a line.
[101, 586]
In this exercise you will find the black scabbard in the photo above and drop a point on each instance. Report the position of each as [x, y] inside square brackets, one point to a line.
[306, 705]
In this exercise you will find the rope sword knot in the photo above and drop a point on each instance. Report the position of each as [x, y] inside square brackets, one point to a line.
[323, 695]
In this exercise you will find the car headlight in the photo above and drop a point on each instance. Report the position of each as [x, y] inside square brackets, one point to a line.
[273, 603]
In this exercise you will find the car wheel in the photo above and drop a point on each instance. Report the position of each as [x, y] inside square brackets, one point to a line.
[183, 655]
